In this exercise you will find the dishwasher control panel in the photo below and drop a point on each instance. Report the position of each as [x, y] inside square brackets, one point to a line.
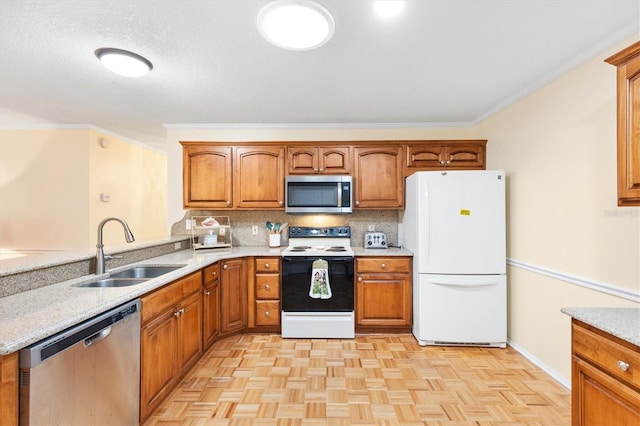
[375, 240]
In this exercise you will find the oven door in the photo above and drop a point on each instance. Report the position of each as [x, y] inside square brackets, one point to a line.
[296, 283]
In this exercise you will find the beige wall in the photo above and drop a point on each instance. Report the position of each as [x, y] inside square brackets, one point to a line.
[50, 185]
[566, 234]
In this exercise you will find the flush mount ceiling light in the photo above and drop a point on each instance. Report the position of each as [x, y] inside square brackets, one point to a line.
[295, 25]
[123, 62]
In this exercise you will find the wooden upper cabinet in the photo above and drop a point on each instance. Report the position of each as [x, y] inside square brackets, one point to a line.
[628, 63]
[436, 155]
[318, 160]
[207, 176]
[258, 179]
[378, 177]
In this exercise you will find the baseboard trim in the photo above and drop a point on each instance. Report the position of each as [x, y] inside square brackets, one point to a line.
[579, 281]
[544, 367]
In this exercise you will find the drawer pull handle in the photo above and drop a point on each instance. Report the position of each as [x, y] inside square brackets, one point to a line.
[266, 314]
[383, 266]
[623, 365]
[266, 287]
[266, 265]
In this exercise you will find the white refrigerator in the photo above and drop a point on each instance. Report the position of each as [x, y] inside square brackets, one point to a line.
[454, 223]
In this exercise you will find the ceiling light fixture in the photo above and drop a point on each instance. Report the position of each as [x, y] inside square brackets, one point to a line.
[388, 8]
[295, 25]
[123, 62]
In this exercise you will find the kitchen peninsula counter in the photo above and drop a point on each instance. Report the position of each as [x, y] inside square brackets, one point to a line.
[32, 315]
[623, 323]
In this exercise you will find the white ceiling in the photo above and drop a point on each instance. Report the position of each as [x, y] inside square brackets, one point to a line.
[443, 62]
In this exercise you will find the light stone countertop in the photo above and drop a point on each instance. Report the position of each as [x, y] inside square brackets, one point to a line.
[620, 322]
[30, 316]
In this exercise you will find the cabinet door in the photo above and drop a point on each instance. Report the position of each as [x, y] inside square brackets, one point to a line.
[428, 156]
[211, 312]
[207, 176]
[378, 177]
[190, 332]
[334, 160]
[383, 300]
[158, 361]
[9, 389]
[628, 63]
[259, 177]
[599, 399]
[465, 156]
[302, 160]
[233, 296]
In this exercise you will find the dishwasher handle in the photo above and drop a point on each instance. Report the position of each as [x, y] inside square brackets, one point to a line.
[98, 337]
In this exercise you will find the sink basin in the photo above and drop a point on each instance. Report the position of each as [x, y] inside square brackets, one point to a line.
[114, 282]
[144, 272]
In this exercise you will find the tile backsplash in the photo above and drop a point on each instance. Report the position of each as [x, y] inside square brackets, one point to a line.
[242, 222]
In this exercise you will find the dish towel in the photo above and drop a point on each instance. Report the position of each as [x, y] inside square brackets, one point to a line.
[320, 288]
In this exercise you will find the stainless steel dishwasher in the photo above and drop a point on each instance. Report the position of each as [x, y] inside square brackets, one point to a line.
[88, 374]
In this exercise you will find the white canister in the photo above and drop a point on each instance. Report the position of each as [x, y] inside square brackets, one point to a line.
[274, 240]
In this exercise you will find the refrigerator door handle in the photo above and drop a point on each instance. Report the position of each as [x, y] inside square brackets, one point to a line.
[427, 228]
[467, 285]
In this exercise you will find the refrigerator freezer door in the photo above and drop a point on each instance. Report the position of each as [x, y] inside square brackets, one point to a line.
[461, 222]
[460, 310]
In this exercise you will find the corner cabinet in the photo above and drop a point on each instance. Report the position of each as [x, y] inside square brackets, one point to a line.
[378, 177]
[233, 296]
[383, 293]
[605, 378]
[628, 63]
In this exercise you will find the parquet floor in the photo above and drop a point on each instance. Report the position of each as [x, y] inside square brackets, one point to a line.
[370, 380]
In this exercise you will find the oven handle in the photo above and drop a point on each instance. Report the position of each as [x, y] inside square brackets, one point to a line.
[308, 258]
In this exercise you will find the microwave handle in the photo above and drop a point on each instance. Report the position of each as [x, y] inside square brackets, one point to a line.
[339, 189]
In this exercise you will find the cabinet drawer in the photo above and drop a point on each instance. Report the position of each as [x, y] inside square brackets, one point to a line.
[267, 312]
[267, 264]
[268, 286]
[383, 264]
[607, 354]
[167, 296]
[211, 273]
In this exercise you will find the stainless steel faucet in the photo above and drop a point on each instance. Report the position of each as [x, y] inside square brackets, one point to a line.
[100, 257]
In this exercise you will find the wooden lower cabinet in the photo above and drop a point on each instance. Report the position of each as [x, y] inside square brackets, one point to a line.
[605, 378]
[267, 293]
[170, 338]
[383, 293]
[233, 296]
[211, 305]
[9, 389]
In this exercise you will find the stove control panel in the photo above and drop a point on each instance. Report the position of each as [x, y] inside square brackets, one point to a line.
[375, 240]
[332, 231]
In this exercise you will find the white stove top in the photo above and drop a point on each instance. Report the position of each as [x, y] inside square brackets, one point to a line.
[319, 242]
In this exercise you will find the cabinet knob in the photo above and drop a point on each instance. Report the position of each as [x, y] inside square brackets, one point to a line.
[266, 265]
[623, 365]
[224, 266]
[266, 314]
[321, 170]
[176, 313]
[281, 202]
[267, 287]
[228, 202]
[315, 170]
[213, 273]
[359, 278]
[207, 293]
[442, 162]
[357, 202]
[383, 265]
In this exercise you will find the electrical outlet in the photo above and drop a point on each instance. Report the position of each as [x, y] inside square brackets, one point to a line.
[254, 229]
[372, 228]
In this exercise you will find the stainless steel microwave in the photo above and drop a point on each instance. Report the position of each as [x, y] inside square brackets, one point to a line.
[318, 194]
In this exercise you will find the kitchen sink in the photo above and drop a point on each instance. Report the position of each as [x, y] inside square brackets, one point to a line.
[144, 272]
[114, 282]
[131, 276]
